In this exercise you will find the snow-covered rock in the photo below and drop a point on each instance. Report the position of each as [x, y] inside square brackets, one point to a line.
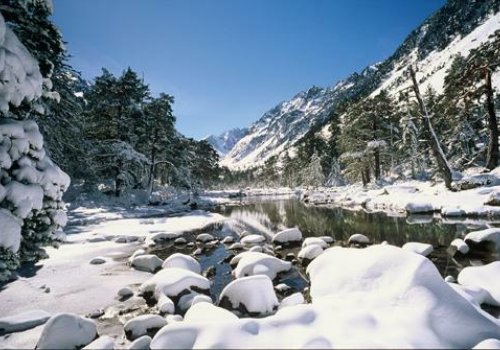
[147, 262]
[292, 300]
[419, 208]
[97, 260]
[314, 241]
[452, 212]
[102, 343]
[358, 238]
[174, 318]
[141, 343]
[165, 305]
[310, 252]
[475, 295]
[182, 261]
[253, 263]
[423, 249]
[23, 321]
[228, 240]
[180, 241]
[192, 298]
[488, 344]
[160, 237]
[143, 325]
[493, 199]
[236, 246]
[125, 292]
[253, 295]
[172, 281]
[67, 331]
[486, 277]
[460, 245]
[288, 236]
[252, 239]
[282, 288]
[382, 296]
[327, 239]
[256, 248]
[490, 235]
[137, 253]
[204, 237]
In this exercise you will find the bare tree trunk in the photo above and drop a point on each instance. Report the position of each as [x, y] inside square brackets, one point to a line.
[492, 156]
[437, 150]
[377, 163]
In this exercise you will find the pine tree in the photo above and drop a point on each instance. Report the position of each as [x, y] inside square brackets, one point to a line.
[31, 186]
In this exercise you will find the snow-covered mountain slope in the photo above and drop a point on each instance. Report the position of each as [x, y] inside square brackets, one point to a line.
[280, 126]
[458, 27]
[225, 142]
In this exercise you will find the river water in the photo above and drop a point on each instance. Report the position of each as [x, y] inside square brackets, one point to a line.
[267, 216]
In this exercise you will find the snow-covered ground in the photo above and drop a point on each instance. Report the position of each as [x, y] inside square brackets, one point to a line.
[416, 197]
[379, 296]
[68, 282]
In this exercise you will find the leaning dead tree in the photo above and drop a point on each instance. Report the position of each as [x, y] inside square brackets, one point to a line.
[437, 151]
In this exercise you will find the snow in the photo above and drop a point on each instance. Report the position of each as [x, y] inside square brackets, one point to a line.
[485, 277]
[254, 263]
[288, 236]
[11, 231]
[460, 245]
[199, 312]
[254, 295]
[165, 305]
[102, 343]
[310, 252]
[488, 235]
[182, 261]
[204, 237]
[158, 227]
[423, 249]
[358, 238]
[252, 239]
[67, 331]
[327, 239]
[143, 325]
[383, 296]
[493, 199]
[172, 281]
[141, 343]
[23, 321]
[488, 344]
[147, 262]
[20, 77]
[314, 241]
[292, 300]
[97, 285]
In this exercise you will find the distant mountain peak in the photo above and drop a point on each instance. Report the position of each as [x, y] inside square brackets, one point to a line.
[224, 142]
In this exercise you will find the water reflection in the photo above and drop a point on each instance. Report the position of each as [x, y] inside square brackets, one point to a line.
[272, 216]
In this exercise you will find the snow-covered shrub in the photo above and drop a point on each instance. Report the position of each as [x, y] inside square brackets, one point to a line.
[31, 186]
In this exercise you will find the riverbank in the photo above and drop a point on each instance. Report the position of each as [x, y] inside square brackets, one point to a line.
[70, 280]
[236, 283]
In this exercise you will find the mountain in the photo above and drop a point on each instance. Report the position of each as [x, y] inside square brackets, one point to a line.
[226, 141]
[458, 27]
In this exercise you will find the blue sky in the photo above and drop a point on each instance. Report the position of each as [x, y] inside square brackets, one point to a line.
[228, 61]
